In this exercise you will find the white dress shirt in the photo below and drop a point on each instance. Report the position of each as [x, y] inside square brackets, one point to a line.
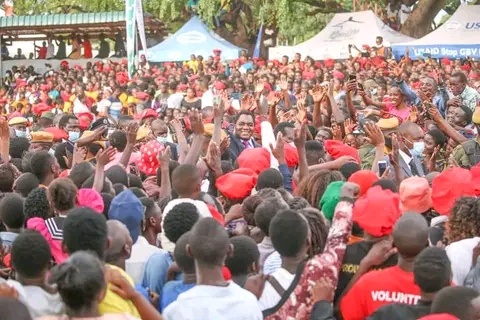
[214, 303]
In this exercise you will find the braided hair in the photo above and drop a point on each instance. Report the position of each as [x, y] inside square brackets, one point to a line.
[313, 187]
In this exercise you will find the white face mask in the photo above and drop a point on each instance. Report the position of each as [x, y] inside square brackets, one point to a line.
[20, 134]
[162, 139]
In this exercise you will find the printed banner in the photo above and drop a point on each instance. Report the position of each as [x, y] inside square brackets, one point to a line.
[438, 51]
[131, 31]
[140, 24]
[258, 44]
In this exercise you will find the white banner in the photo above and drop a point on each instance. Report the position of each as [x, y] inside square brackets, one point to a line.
[141, 24]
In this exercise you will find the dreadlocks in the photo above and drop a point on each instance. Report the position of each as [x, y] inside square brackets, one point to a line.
[318, 228]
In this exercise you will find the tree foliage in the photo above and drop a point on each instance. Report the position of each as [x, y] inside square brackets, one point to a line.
[292, 20]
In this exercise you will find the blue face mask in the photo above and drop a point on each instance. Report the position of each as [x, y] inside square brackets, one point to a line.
[73, 136]
[419, 147]
[162, 139]
[20, 134]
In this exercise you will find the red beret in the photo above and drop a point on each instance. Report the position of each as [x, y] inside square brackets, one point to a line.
[83, 123]
[142, 96]
[449, 186]
[377, 211]
[86, 115]
[237, 184]
[329, 63]
[58, 134]
[40, 108]
[149, 113]
[256, 159]
[475, 171]
[291, 155]
[219, 85]
[446, 61]
[365, 179]
[182, 87]
[337, 149]
[338, 75]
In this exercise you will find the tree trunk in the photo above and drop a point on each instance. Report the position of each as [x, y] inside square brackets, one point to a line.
[239, 38]
[419, 23]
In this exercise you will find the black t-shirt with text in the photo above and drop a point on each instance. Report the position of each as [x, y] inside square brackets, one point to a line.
[354, 253]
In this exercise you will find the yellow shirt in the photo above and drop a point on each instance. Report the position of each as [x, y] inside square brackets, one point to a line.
[92, 94]
[123, 97]
[192, 64]
[112, 303]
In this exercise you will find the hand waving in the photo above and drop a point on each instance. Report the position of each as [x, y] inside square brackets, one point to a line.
[196, 122]
[300, 136]
[374, 133]
[279, 150]
[105, 156]
[132, 130]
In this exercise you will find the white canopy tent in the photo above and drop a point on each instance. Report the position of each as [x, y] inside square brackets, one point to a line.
[459, 37]
[357, 28]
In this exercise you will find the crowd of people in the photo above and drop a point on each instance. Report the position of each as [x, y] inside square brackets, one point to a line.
[81, 48]
[297, 189]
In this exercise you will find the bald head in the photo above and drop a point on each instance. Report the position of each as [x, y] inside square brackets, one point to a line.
[410, 234]
[120, 241]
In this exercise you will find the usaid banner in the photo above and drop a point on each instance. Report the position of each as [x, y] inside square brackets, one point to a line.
[438, 51]
[458, 38]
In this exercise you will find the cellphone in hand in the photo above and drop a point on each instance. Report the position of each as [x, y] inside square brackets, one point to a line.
[382, 167]
[352, 77]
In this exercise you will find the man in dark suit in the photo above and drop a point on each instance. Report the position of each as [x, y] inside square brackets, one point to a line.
[411, 147]
[242, 137]
[160, 131]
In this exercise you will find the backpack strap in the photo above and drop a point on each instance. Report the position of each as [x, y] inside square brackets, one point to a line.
[286, 294]
[277, 286]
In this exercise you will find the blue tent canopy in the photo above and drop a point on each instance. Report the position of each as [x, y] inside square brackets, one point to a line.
[193, 38]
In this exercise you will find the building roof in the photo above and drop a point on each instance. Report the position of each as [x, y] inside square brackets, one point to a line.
[101, 22]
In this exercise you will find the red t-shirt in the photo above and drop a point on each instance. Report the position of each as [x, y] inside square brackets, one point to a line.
[42, 53]
[378, 288]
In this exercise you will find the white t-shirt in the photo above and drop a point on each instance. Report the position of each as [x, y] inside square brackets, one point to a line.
[207, 99]
[270, 296]
[214, 303]
[175, 101]
[460, 255]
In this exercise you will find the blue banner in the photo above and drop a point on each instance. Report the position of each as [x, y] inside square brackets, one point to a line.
[438, 51]
[258, 44]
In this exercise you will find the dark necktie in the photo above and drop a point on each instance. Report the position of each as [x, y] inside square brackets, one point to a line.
[413, 168]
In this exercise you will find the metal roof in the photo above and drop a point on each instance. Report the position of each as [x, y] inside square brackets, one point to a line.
[68, 23]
